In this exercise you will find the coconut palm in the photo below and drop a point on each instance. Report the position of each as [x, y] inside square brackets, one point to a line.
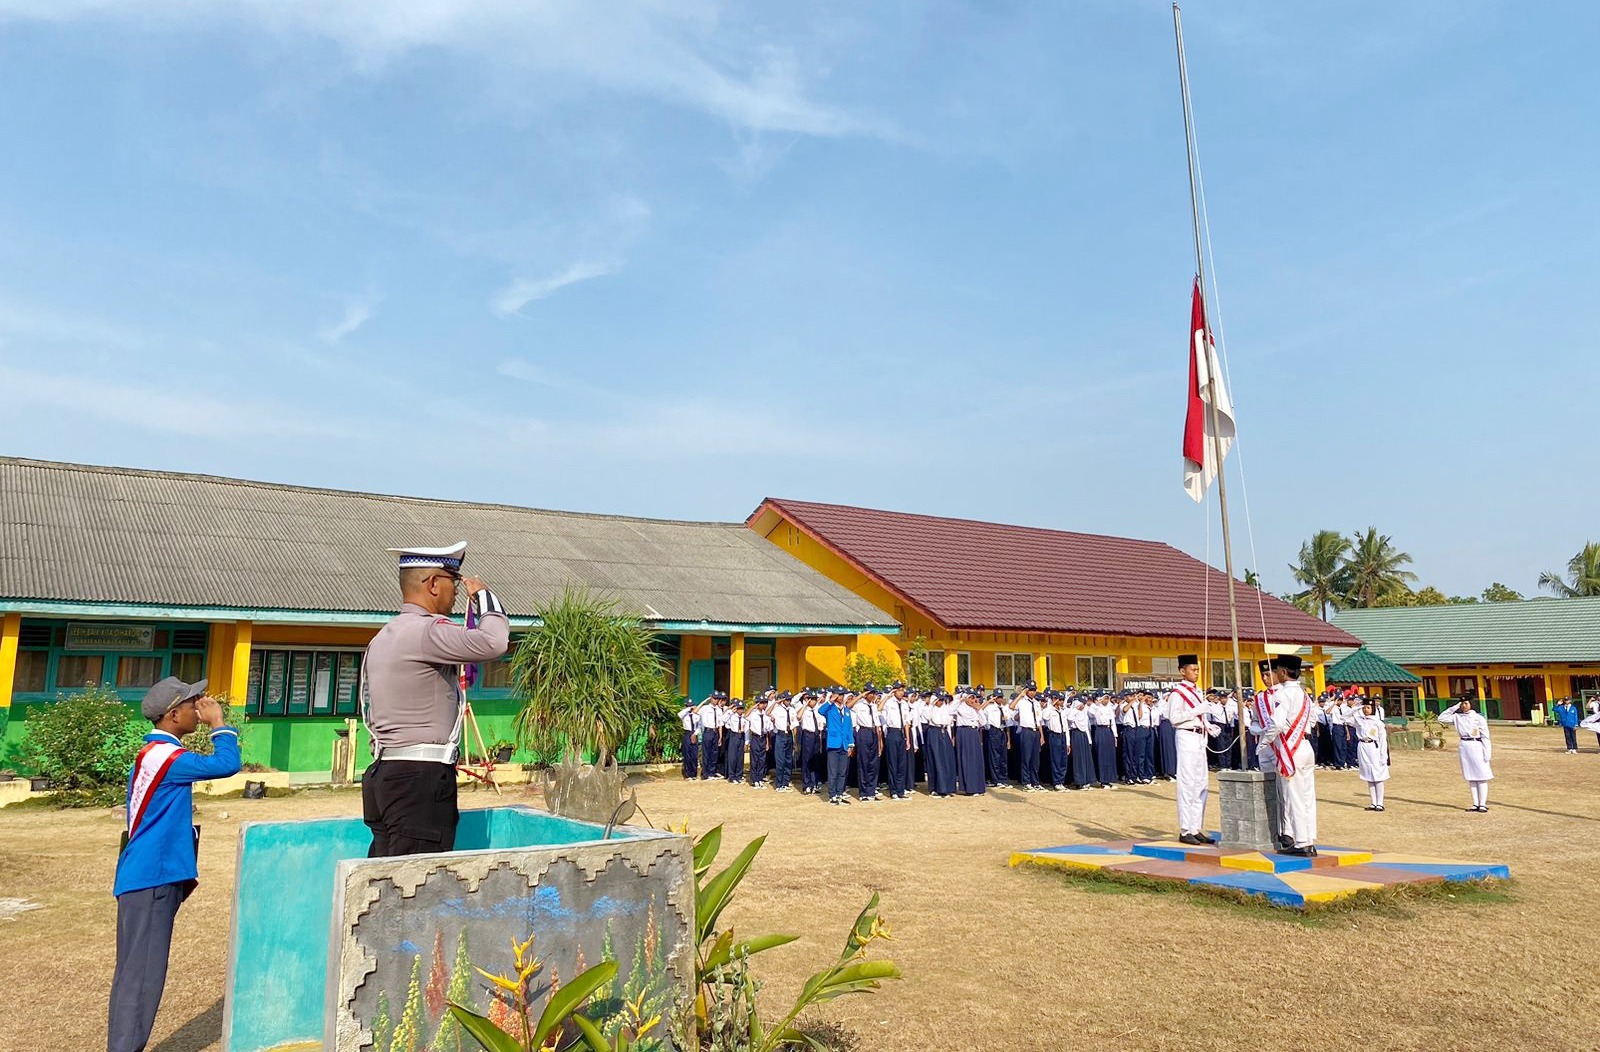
[1583, 575]
[1321, 571]
[588, 677]
[1373, 570]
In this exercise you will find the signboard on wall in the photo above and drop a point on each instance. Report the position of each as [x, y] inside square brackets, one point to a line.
[97, 635]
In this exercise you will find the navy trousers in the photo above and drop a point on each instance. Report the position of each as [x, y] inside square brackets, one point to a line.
[1081, 753]
[1056, 748]
[691, 754]
[758, 759]
[1571, 734]
[734, 765]
[1028, 746]
[1167, 742]
[838, 772]
[896, 758]
[994, 741]
[144, 937]
[1105, 754]
[708, 754]
[867, 762]
[811, 759]
[782, 760]
[969, 760]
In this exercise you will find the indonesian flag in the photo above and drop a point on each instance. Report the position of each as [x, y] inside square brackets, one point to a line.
[1201, 456]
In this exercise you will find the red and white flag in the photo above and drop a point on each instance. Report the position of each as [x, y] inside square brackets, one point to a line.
[1201, 455]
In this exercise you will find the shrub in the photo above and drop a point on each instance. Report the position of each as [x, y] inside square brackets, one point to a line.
[85, 744]
[861, 669]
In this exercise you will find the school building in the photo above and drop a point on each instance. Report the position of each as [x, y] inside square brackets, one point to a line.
[1514, 657]
[999, 605]
[120, 577]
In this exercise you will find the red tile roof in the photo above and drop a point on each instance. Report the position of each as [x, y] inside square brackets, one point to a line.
[985, 576]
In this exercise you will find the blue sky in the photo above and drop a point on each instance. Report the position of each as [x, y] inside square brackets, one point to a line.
[668, 258]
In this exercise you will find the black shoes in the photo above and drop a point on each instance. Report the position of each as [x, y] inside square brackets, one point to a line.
[1194, 838]
[1309, 851]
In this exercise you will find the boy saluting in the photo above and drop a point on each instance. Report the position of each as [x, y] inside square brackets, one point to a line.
[157, 869]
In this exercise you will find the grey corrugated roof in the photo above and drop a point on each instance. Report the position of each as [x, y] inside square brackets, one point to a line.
[1536, 630]
[76, 533]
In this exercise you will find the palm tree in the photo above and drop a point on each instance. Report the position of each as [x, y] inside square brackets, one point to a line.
[1322, 571]
[1583, 575]
[1374, 569]
[1252, 579]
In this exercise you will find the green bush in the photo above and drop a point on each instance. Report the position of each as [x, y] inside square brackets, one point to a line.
[85, 744]
[861, 669]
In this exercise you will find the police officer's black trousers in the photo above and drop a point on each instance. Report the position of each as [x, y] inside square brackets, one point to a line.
[410, 806]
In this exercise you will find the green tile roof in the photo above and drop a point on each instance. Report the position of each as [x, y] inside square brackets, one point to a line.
[1536, 630]
[1363, 666]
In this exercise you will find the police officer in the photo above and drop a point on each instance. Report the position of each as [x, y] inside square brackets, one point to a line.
[413, 705]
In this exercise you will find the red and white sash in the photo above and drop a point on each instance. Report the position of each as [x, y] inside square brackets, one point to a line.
[1190, 697]
[1285, 744]
[149, 769]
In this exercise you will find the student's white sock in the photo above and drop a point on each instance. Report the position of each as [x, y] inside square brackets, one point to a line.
[1377, 793]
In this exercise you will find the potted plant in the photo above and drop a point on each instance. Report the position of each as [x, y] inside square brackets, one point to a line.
[503, 750]
[1432, 729]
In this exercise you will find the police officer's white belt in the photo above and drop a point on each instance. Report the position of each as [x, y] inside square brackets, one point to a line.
[430, 753]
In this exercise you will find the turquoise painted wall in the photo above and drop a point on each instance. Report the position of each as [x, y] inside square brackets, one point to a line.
[283, 912]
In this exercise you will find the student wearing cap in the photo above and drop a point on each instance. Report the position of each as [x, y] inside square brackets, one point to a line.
[1473, 730]
[413, 704]
[157, 867]
[812, 744]
[898, 747]
[1166, 743]
[869, 743]
[1186, 708]
[1566, 714]
[940, 747]
[1079, 750]
[839, 738]
[757, 727]
[1293, 756]
[782, 714]
[1103, 733]
[733, 729]
[687, 716]
[994, 736]
[968, 745]
[1372, 753]
[1029, 744]
[1055, 742]
[710, 719]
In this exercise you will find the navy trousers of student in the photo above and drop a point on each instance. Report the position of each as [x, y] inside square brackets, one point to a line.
[758, 759]
[867, 762]
[1127, 765]
[1227, 746]
[708, 754]
[1028, 746]
[994, 742]
[811, 760]
[144, 937]
[896, 758]
[1167, 740]
[1571, 734]
[1105, 754]
[838, 772]
[782, 760]
[1055, 747]
[691, 754]
[969, 760]
[941, 762]
[1251, 762]
[1138, 751]
[1081, 754]
[735, 758]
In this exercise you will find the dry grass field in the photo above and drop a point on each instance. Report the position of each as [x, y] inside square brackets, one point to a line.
[996, 958]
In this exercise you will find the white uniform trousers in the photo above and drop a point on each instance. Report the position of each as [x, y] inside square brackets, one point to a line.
[1299, 794]
[1193, 781]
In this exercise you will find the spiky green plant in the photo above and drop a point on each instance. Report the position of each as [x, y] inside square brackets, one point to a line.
[588, 677]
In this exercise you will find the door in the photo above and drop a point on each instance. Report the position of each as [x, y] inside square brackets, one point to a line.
[702, 679]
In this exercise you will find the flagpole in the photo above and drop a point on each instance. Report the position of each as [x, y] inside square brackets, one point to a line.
[1212, 377]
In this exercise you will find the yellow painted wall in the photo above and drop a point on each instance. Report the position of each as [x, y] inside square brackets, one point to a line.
[1559, 675]
[10, 634]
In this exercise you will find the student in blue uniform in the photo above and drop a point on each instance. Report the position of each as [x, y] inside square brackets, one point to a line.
[839, 738]
[157, 868]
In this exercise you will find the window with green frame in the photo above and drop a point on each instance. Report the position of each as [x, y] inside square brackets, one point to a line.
[57, 656]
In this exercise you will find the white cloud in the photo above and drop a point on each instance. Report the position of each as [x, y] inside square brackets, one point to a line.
[164, 409]
[356, 314]
[693, 54]
[524, 291]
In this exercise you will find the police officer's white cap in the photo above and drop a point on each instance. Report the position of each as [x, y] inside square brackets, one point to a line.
[440, 558]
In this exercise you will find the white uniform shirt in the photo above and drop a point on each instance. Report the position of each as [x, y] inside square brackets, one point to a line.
[863, 716]
[993, 716]
[1027, 711]
[966, 715]
[781, 718]
[1051, 718]
[709, 717]
[757, 723]
[897, 714]
[688, 716]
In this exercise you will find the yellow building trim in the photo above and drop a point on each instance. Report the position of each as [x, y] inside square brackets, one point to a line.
[10, 635]
[736, 666]
[219, 655]
[239, 676]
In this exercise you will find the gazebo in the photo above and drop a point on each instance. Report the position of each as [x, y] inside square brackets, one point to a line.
[1368, 670]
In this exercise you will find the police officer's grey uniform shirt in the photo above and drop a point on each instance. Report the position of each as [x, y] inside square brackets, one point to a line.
[412, 670]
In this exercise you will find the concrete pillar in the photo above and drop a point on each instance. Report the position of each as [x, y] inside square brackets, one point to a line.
[1319, 678]
[950, 669]
[1122, 671]
[1483, 687]
[736, 666]
[683, 665]
[10, 634]
[1041, 669]
[239, 679]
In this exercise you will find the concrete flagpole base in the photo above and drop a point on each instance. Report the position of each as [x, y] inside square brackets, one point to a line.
[1250, 810]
